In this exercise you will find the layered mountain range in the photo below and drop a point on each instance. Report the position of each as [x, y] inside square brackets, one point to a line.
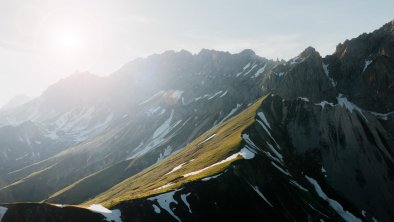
[211, 136]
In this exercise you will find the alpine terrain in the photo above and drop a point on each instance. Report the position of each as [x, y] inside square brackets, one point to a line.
[211, 136]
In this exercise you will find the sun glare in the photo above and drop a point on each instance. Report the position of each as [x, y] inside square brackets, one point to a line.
[68, 39]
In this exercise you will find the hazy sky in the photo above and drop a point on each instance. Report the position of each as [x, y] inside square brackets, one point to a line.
[42, 41]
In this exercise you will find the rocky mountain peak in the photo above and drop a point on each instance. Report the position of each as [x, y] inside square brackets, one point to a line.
[355, 66]
[389, 27]
[309, 51]
[248, 52]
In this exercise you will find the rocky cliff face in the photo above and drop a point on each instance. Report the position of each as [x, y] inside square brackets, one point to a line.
[363, 68]
[323, 142]
[311, 163]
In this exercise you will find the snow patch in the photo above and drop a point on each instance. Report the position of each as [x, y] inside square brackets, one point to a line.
[164, 186]
[276, 153]
[207, 139]
[3, 210]
[167, 152]
[99, 208]
[294, 183]
[244, 153]
[246, 66]
[247, 139]
[110, 215]
[304, 99]
[251, 69]
[366, 64]
[176, 168]
[264, 119]
[164, 200]
[163, 128]
[211, 177]
[383, 116]
[225, 93]
[260, 71]
[184, 199]
[231, 113]
[346, 215]
[214, 95]
[156, 208]
[325, 68]
[324, 103]
[256, 189]
[344, 102]
[266, 130]
[243, 69]
[280, 169]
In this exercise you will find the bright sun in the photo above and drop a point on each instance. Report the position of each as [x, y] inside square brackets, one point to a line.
[68, 39]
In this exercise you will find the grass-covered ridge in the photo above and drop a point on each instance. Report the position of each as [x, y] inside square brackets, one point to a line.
[205, 152]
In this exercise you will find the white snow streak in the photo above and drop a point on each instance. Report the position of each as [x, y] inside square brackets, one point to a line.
[325, 68]
[176, 168]
[260, 71]
[280, 169]
[214, 95]
[211, 177]
[324, 103]
[264, 119]
[383, 116]
[346, 215]
[244, 152]
[293, 182]
[256, 189]
[184, 199]
[304, 99]
[231, 113]
[207, 139]
[225, 93]
[366, 64]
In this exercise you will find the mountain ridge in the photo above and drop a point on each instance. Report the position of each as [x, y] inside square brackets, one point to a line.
[309, 138]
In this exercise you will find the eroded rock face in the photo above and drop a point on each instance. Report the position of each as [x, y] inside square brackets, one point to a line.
[355, 150]
[311, 162]
[364, 70]
[305, 77]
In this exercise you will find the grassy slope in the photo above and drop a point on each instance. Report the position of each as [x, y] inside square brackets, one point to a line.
[194, 156]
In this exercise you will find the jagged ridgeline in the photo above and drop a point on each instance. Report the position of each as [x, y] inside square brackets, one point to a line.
[211, 136]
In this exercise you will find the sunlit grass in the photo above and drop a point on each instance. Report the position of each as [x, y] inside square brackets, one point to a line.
[195, 156]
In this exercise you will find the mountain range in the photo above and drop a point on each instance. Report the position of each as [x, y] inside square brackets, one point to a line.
[211, 136]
